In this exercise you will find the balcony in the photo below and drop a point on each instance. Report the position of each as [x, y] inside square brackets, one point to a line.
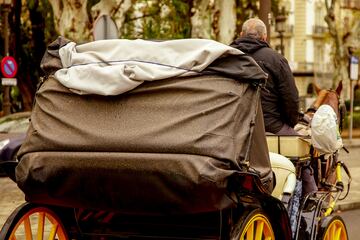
[319, 31]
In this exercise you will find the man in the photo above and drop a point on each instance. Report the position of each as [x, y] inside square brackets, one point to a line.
[280, 98]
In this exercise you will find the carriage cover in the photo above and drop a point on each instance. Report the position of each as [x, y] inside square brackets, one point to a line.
[168, 143]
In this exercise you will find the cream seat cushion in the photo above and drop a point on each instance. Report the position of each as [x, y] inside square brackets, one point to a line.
[285, 174]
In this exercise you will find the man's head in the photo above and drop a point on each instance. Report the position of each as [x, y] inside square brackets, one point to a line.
[254, 28]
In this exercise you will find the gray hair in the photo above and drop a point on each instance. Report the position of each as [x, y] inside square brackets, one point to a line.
[254, 28]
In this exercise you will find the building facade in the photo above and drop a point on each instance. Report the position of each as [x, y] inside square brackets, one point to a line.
[306, 41]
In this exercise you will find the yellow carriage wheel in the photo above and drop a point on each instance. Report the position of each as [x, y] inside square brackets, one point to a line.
[333, 229]
[38, 223]
[255, 226]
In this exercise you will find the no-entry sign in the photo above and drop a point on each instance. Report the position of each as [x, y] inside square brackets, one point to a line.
[9, 67]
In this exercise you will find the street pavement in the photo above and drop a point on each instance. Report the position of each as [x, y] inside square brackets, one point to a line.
[351, 219]
[352, 160]
[11, 196]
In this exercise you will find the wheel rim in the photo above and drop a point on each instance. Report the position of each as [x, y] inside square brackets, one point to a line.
[336, 231]
[258, 228]
[40, 224]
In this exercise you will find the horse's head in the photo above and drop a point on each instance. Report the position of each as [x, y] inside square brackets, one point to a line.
[330, 97]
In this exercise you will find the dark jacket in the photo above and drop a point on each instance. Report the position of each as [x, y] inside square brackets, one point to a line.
[280, 98]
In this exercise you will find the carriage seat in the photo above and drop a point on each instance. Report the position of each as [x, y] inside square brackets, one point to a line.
[285, 175]
[282, 149]
[293, 147]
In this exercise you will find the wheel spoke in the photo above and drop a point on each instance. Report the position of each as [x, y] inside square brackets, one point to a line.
[53, 232]
[335, 231]
[41, 223]
[267, 234]
[338, 233]
[330, 233]
[332, 230]
[250, 232]
[256, 226]
[27, 227]
[327, 236]
[259, 230]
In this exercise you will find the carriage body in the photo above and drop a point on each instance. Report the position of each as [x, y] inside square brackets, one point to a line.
[176, 158]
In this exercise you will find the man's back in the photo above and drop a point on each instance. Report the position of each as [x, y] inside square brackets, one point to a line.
[280, 98]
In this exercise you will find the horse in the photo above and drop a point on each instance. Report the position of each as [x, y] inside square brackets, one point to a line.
[324, 164]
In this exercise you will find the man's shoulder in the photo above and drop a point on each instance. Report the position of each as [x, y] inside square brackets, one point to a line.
[269, 52]
[269, 57]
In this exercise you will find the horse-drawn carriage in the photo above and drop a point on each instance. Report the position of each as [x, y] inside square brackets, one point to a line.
[161, 140]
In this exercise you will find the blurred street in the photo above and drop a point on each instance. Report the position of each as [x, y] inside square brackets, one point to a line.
[10, 198]
[351, 159]
[351, 219]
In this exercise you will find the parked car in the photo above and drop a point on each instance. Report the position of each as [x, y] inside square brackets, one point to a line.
[13, 129]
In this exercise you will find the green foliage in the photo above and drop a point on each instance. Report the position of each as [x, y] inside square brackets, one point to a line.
[356, 112]
[50, 32]
[166, 19]
[43, 8]
[16, 99]
[356, 102]
[178, 20]
[356, 120]
[275, 9]
[246, 9]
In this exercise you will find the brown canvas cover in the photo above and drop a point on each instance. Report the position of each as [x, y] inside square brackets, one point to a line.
[167, 146]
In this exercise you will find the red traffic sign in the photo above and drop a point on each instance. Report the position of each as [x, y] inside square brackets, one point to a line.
[9, 67]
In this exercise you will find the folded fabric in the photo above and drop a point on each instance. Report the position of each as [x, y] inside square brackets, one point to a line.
[111, 67]
[325, 136]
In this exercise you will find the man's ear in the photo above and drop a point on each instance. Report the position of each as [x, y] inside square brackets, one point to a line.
[264, 37]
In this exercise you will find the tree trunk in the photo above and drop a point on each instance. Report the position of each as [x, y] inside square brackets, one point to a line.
[339, 39]
[117, 9]
[226, 22]
[201, 19]
[38, 34]
[71, 19]
[25, 83]
[215, 19]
